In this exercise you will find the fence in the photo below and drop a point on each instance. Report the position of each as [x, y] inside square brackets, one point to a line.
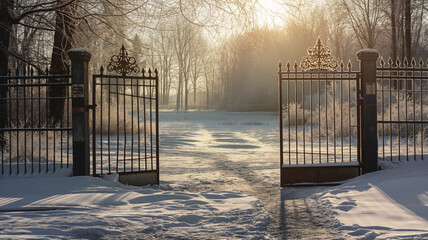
[34, 139]
[402, 118]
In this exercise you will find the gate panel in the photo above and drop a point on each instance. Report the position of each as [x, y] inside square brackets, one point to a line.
[319, 119]
[125, 126]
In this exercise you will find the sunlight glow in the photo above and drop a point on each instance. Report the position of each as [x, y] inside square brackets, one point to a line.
[270, 13]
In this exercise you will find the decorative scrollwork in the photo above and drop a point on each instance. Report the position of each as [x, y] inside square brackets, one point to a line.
[122, 63]
[319, 59]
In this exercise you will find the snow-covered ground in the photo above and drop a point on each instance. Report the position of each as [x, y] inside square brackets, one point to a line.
[389, 204]
[91, 208]
[219, 179]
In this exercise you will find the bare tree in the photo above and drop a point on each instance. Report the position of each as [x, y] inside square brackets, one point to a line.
[366, 18]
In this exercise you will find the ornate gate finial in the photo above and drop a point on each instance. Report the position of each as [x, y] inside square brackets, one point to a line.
[123, 64]
[319, 59]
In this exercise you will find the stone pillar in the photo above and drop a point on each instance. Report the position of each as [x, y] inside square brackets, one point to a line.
[80, 112]
[368, 113]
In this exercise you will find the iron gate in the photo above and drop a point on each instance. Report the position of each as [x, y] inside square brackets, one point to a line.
[125, 120]
[319, 119]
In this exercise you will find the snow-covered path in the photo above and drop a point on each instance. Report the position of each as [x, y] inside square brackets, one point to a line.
[238, 152]
[197, 151]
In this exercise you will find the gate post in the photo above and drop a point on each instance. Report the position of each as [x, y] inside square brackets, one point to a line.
[80, 114]
[368, 108]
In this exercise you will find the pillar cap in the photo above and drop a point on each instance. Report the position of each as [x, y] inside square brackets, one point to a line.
[368, 55]
[79, 54]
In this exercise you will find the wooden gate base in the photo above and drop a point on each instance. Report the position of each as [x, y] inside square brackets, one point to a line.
[139, 178]
[316, 175]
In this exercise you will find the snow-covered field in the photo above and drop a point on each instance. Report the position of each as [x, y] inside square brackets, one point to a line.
[219, 179]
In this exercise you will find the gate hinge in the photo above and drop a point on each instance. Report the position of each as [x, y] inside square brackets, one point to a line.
[92, 107]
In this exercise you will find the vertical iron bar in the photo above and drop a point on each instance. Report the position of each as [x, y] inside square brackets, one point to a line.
[406, 119]
[25, 120]
[357, 94]
[295, 120]
[124, 123]
[349, 119]
[151, 120]
[281, 141]
[145, 121]
[398, 115]
[390, 114]
[341, 112]
[319, 118]
[382, 108]
[17, 122]
[68, 102]
[54, 140]
[157, 125]
[138, 120]
[47, 124]
[422, 116]
[326, 117]
[303, 120]
[101, 133]
[39, 124]
[312, 134]
[32, 117]
[132, 125]
[108, 123]
[94, 117]
[288, 120]
[62, 119]
[3, 136]
[10, 126]
[414, 111]
[334, 118]
[117, 125]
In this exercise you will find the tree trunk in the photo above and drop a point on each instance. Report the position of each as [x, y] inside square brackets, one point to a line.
[402, 38]
[194, 91]
[5, 29]
[186, 103]
[408, 29]
[180, 80]
[408, 34]
[64, 28]
[393, 30]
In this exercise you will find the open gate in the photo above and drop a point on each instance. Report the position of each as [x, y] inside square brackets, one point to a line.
[319, 119]
[125, 122]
